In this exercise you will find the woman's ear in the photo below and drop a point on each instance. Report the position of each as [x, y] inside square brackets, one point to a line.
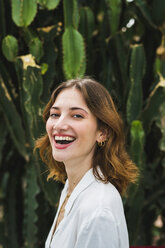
[103, 135]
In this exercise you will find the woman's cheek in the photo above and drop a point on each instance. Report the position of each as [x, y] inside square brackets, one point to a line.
[48, 126]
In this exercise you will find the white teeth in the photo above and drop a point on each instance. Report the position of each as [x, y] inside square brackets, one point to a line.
[63, 138]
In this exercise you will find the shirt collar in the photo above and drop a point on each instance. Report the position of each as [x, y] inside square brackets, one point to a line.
[87, 179]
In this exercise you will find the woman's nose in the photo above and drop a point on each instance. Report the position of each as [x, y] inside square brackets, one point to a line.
[60, 125]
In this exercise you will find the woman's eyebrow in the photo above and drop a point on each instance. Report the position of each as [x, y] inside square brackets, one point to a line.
[78, 108]
[53, 107]
[72, 108]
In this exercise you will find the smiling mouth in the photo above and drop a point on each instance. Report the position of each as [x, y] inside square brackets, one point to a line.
[63, 140]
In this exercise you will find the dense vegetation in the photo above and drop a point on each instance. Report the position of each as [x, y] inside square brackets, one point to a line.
[43, 42]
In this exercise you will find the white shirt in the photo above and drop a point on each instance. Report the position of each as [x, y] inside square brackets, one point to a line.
[94, 217]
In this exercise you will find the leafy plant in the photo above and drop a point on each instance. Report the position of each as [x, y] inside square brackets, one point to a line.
[121, 44]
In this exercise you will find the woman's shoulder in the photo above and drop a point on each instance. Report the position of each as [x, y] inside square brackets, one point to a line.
[104, 192]
[100, 196]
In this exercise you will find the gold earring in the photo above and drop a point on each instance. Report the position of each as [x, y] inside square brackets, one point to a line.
[101, 144]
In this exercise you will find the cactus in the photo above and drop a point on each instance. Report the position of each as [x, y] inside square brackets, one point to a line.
[13, 119]
[142, 6]
[78, 37]
[10, 47]
[119, 54]
[137, 143]
[31, 92]
[50, 188]
[158, 12]
[74, 64]
[160, 122]
[86, 26]
[160, 59]
[4, 220]
[114, 11]
[74, 54]
[30, 84]
[3, 133]
[137, 69]
[3, 22]
[23, 12]
[36, 48]
[134, 215]
[49, 34]
[34, 43]
[154, 101]
[71, 14]
[30, 206]
[52, 4]
[49, 4]
[32, 108]
[11, 208]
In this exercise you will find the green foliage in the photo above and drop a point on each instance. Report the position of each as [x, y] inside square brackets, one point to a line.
[34, 43]
[3, 133]
[114, 11]
[10, 47]
[60, 40]
[137, 70]
[137, 143]
[71, 15]
[74, 54]
[160, 122]
[23, 12]
[87, 22]
[13, 119]
[154, 102]
[49, 58]
[30, 205]
[74, 59]
[158, 12]
[31, 93]
[145, 11]
[50, 4]
[2, 23]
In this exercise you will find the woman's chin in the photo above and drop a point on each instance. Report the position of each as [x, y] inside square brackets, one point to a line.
[58, 159]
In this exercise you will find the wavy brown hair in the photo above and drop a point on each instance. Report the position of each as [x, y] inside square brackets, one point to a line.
[112, 159]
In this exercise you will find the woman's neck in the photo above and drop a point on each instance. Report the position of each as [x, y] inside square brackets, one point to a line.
[75, 173]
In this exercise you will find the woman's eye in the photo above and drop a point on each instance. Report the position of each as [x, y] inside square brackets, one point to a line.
[54, 115]
[77, 116]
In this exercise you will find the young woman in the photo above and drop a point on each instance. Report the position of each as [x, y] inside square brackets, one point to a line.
[84, 148]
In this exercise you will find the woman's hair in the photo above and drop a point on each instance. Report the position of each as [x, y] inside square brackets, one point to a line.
[112, 159]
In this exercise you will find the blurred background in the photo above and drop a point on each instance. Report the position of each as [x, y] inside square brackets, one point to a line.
[120, 43]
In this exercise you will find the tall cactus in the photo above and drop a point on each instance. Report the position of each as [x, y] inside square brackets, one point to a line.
[30, 205]
[153, 104]
[47, 41]
[143, 7]
[3, 133]
[137, 143]
[10, 47]
[74, 61]
[50, 4]
[23, 12]
[50, 56]
[31, 92]
[137, 70]
[11, 215]
[160, 122]
[74, 54]
[114, 11]
[13, 120]
[34, 43]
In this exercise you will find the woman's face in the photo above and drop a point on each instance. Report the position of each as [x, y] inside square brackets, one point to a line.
[72, 128]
